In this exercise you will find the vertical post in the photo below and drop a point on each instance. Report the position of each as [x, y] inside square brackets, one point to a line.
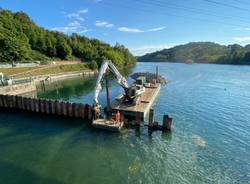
[157, 73]
[1, 101]
[52, 106]
[107, 94]
[37, 106]
[82, 109]
[167, 122]
[58, 107]
[89, 112]
[70, 110]
[151, 118]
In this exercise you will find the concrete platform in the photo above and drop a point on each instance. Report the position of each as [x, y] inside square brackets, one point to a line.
[139, 112]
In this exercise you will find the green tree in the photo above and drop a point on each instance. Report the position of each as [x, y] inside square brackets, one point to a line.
[62, 47]
[21, 39]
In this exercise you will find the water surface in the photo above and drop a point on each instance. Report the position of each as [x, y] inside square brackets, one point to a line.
[210, 141]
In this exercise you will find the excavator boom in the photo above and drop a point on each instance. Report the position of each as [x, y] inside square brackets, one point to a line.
[108, 65]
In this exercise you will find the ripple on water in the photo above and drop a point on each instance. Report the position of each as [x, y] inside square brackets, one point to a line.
[209, 143]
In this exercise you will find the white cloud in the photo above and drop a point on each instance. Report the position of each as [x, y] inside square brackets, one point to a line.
[73, 27]
[78, 15]
[86, 10]
[103, 24]
[242, 39]
[156, 29]
[139, 51]
[83, 30]
[130, 30]
[75, 16]
[74, 23]
[135, 30]
[66, 29]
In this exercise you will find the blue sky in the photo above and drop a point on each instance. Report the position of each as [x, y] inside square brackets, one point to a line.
[143, 25]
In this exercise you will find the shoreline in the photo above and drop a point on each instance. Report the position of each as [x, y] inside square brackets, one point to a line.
[31, 86]
[221, 64]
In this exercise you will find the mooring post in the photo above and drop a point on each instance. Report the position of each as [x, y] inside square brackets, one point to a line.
[151, 118]
[138, 118]
[167, 122]
[157, 74]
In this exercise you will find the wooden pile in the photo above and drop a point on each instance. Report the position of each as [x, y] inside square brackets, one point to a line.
[45, 106]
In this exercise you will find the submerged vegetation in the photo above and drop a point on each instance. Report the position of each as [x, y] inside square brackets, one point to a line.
[202, 52]
[22, 40]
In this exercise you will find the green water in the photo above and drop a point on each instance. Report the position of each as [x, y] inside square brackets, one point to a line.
[210, 141]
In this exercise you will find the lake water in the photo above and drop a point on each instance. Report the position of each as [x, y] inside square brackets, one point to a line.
[210, 141]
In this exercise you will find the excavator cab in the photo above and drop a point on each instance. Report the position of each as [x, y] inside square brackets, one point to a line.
[132, 94]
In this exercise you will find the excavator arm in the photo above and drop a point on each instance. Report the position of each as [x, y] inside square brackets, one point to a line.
[108, 65]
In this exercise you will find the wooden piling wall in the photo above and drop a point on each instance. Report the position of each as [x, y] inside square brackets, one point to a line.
[46, 106]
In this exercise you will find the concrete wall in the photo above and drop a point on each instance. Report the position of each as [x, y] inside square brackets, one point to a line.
[18, 89]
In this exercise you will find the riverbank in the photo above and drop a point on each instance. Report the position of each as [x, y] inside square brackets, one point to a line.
[25, 79]
[25, 72]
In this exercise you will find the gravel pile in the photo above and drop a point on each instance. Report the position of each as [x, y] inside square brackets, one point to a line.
[149, 77]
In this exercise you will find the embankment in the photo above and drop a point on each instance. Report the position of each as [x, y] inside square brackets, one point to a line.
[18, 88]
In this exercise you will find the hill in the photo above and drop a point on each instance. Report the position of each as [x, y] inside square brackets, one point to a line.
[21, 40]
[201, 52]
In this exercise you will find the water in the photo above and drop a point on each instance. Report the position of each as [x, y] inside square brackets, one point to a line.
[210, 141]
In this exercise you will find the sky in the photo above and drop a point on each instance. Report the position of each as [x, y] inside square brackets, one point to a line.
[143, 26]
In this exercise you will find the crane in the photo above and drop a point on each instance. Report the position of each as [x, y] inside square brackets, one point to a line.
[131, 94]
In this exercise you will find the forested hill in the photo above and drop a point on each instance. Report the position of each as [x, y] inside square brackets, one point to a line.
[201, 52]
[22, 40]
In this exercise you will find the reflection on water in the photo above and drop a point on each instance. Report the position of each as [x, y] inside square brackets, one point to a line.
[210, 141]
[65, 89]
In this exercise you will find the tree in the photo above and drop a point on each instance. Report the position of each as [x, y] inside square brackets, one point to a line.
[93, 65]
[21, 39]
[62, 47]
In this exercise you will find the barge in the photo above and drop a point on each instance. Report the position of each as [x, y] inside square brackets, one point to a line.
[139, 111]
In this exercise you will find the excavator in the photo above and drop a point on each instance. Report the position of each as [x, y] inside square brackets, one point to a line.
[131, 95]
